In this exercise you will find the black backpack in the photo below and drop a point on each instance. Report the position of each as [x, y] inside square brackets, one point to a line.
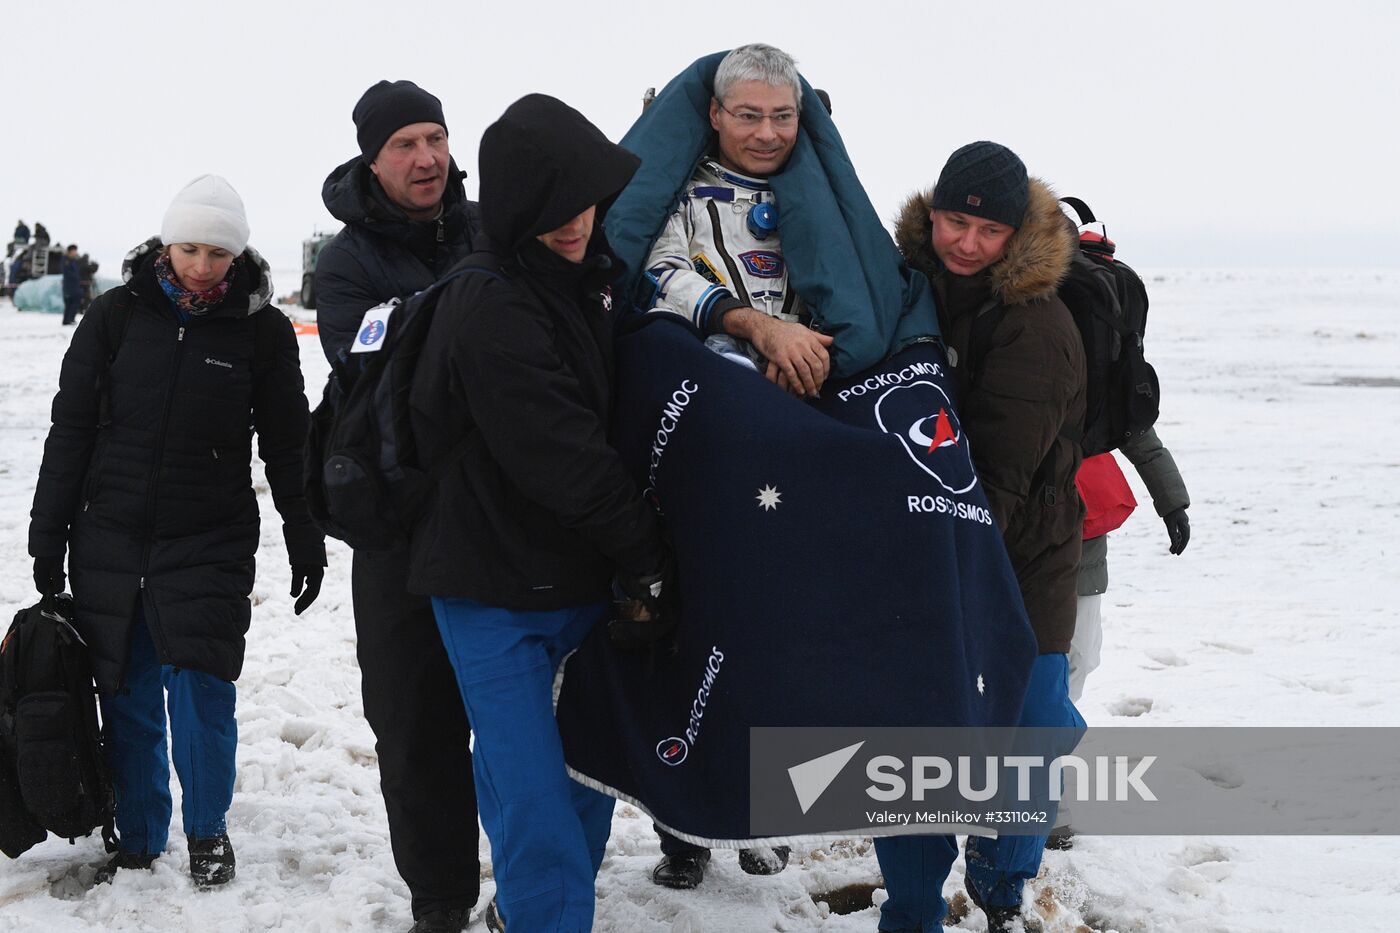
[363, 481]
[53, 776]
[1109, 304]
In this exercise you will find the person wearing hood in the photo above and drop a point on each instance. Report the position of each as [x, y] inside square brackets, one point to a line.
[146, 484]
[534, 515]
[995, 245]
[407, 221]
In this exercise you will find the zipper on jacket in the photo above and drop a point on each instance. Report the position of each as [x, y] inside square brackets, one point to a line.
[151, 481]
[739, 290]
[439, 229]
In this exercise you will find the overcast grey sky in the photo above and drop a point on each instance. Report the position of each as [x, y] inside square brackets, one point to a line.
[1206, 134]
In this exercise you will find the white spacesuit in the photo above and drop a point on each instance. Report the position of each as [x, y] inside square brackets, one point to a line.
[720, 250]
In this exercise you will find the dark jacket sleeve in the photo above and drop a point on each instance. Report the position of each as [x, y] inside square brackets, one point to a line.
[281, 419]
[68, 449]
[345, 290]
[1030, 378]
[535, 420]
[1157, 467]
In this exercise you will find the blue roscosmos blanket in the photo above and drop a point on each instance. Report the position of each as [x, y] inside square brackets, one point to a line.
[838, 567]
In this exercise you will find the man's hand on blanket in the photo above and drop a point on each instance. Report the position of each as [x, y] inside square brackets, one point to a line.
[647, 609]
[798, 361]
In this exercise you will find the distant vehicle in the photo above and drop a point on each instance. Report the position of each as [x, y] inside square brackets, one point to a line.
[310, 252]
[28, 261]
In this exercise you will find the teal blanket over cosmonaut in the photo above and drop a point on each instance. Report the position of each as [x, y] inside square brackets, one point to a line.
[840, 258]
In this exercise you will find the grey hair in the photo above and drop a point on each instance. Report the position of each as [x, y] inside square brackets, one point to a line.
[757, 62]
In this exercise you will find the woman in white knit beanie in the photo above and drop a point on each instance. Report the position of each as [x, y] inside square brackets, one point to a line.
[205, 229]
[146, 486]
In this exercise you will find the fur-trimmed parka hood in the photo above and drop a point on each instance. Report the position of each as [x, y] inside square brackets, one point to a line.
[1037, 257]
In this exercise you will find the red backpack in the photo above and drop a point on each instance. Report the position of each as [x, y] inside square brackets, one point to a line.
[1108, 499]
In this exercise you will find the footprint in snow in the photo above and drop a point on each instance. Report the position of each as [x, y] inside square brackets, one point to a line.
[1333, 687]
[1167, 657]
[1227, 646]
[1130, 706]
[1199, 853]
[1220, 774]
[1202, 867]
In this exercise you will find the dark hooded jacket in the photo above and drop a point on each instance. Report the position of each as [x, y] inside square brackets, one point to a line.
[1021, 398]
[381, 254]
[157, 503]
[534, 509]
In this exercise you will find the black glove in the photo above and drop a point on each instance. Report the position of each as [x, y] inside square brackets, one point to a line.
[648, 609]
[1178, 529]
[306, 585]
[48, 575]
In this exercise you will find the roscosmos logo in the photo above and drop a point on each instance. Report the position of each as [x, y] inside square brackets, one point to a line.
[673, 750]
[921, 415]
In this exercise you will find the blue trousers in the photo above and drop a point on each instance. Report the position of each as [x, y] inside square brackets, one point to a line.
[916, 866]
[548, 833]
[203, 742]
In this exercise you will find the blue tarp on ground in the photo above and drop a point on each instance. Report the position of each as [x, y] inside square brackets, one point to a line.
[46, 293]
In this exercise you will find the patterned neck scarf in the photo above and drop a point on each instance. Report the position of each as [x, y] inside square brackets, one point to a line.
[185, 301]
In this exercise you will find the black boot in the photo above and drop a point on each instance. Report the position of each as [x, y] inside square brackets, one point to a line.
[448, 920]
[681, 871]
[999, 919]
[211, 861]
[763, 860]
[122, 860]
[1060, 839]
[494, 921]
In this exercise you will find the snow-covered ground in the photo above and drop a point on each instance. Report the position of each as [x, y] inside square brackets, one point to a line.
[1282, 400]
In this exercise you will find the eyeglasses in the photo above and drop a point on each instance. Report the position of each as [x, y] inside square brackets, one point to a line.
[749, 119]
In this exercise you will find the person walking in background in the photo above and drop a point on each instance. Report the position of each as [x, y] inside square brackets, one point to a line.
[407, 221]
[87, 269]
[72, 284]
[1108, 502]
[1105, 493]
[146, 485]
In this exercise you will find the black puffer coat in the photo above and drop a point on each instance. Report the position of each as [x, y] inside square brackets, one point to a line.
[159, 503]
[1022, 401]
[381, 254]
[534, 509]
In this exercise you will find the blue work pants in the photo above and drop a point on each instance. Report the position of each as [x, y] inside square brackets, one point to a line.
[916, 866]
[548, 832]
[203, 742]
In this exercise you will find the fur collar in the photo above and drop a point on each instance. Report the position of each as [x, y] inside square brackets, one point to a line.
[1036, 260]
[260, 289]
